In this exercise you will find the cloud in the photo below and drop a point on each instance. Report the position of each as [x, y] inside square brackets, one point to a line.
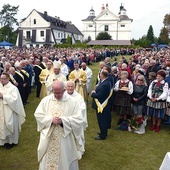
[144, 13]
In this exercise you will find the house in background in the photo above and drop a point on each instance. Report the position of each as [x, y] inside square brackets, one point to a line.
[42, 29]
[118, 26]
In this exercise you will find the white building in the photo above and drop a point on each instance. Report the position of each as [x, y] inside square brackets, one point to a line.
[40, 28]
[119, 27]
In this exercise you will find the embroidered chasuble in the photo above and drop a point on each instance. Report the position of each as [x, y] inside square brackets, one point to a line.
[53, 150]
[80, 86]
[59, 148]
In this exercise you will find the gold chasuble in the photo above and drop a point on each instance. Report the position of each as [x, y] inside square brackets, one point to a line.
[43, 77]
[80, 86]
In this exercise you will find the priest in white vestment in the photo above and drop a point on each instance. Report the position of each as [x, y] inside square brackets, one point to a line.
[12, 114]
[70, 86]
[55, 76]
[64, 68]
[89, 75]
[60, 123]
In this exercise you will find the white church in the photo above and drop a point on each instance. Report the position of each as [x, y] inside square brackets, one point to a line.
[118, 26]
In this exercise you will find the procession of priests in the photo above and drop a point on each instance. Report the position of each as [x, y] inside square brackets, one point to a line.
[61, 114]
[62, 117]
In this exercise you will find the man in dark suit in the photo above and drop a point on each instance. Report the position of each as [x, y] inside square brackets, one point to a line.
[27, 82]
[21, 83]
[101, 104]
[107, 61]
[37, 70]
[152, 68]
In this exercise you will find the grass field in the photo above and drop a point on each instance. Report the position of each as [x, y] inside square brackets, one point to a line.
[122, 150]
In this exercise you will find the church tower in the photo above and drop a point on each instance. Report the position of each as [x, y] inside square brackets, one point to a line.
[89, 26]
[118, 26]
[122, 10]
[92, 12]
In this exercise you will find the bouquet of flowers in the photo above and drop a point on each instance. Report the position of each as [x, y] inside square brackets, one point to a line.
[136, 122]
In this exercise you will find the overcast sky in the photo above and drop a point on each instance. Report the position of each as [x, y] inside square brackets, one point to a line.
[143, 12]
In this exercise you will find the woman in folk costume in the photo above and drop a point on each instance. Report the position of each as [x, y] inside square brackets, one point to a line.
[43, 77]
[123, 91]
[156, 104]
[80, 78]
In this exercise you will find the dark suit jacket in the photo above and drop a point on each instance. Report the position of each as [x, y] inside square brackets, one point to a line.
[108, 64]
[102, 92]
[151, 69]
[37, 71]
[167, 79]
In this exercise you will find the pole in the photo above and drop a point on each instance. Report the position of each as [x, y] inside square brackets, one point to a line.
[94, 29]
[117, 31]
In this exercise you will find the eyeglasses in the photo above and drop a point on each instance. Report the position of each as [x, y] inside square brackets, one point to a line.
[140, 80]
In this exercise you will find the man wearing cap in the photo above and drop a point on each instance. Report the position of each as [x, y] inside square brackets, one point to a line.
[55, 76]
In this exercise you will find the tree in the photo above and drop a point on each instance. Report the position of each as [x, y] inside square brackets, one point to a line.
[166, 22]
[103, 36]
[7, 15]
[69, 40]
[4, 31]
[163, 37]
[143, 42]
[150, 34]
[7, 20]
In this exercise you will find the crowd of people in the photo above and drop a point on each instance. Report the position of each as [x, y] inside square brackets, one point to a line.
[133, 87]
[139, 87]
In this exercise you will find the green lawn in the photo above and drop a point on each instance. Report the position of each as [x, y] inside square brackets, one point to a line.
[122, 150]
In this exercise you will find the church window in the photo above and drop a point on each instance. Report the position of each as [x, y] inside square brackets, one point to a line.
[106, 28]
[42, 33]
[34, 21]
[58, 34]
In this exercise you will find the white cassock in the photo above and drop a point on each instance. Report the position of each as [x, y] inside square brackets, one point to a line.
[53, 77]
[79, 99]
[12, 114]
[89, 75]
[59, 148]
[64, 69]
